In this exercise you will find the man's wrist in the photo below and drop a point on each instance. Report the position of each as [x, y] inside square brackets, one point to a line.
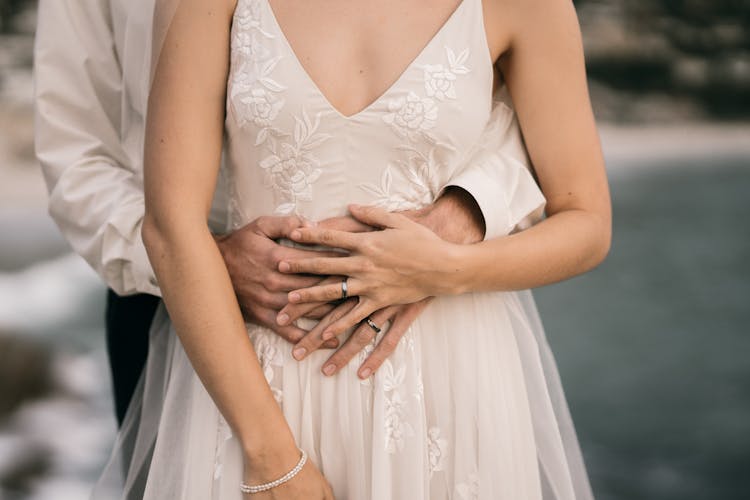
[455, 217]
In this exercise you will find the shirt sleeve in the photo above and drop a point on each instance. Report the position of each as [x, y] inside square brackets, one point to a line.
[498, 175]
[96, 192]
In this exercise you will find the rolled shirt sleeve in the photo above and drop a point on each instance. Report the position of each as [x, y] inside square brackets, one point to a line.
[498, 175]
[96, 190]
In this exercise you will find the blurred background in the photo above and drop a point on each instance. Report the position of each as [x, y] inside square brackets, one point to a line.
[652, 346]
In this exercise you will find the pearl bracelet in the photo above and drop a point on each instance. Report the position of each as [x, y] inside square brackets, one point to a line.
[246, 488]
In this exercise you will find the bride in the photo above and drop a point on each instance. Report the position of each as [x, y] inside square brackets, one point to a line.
[362, 109]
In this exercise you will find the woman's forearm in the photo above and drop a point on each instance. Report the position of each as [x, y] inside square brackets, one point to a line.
[559, 247]
[206, 316]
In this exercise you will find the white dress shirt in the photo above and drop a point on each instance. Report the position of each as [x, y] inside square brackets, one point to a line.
[92, 59]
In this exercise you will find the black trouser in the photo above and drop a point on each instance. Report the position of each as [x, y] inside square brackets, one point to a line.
[128, 323]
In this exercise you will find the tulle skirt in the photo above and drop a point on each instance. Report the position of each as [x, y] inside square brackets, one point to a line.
[469, 406]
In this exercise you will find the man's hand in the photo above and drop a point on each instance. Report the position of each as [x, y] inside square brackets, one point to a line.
[252, 257]
[455, 217]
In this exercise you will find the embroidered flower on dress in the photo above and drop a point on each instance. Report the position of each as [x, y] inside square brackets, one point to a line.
[436, 448]
[419, 395]
[439, 80]
[291, 169]
[261, 105]
[247, 17]
[392, 380]
[469, 490]
[255, 97]
[419, 169]
[397, 426]
[384, 197]
[411, 115]
[363, 355]
[268, 355]
[253, 92]
[247, 45]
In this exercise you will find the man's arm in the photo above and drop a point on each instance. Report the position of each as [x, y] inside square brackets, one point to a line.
[492, 183]
[96, 190]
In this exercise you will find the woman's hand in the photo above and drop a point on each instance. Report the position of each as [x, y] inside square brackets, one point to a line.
[401, 264]
[399, 319]
[308, 484]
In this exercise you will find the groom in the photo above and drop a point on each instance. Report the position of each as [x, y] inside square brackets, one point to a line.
[91, 91]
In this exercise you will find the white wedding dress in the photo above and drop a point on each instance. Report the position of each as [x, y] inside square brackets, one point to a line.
[469, 406]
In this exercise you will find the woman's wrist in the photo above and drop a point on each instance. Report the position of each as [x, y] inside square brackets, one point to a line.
[452, 271]
[267, 460]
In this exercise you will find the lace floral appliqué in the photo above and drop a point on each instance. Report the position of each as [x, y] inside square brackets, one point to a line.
[291, 168]
[254, 93]
[270, 357]
[411, 115]
[436, 449]
[439, 80]
[469, 490]
[397, 426]
[419, 170]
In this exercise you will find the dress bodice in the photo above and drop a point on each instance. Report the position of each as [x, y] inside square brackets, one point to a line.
[290, 151]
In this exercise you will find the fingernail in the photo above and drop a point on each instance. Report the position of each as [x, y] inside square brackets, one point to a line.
[354, 206]
[296, 235]
[284, 266]
[365, 373]
[329, 369]
[294, 297]
[299, 353]
[282, 318]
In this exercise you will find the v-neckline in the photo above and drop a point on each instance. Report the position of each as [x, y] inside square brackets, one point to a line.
[383, 94]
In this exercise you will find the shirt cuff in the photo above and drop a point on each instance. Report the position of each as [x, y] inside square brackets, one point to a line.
[126, 267]
[142, 272]
[505, 191]
[479, 188]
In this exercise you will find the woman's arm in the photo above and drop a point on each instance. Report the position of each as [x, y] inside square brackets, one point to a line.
[545, 72]
[182, 155]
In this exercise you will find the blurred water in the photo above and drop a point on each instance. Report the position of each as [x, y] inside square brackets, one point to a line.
[653, 344]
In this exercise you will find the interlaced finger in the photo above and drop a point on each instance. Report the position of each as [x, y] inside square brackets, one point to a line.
[321, 311]
[359, 340]
[326, 237]
[325, 292]
[357, 314]
[345, 223]
[314, 338]
[294, 310]
[402, 319]
[322, 265]
[263, 316]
